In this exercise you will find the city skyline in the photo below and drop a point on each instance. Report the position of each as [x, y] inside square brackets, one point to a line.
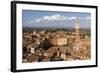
[33, 18]
[46, 45]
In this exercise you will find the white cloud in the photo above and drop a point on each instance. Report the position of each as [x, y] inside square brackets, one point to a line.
[72, 18]
[58, 17]
[38, 20]
[46, 18]
[81, 18]
[88, 18]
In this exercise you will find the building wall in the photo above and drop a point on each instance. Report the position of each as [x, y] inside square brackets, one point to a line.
[58, 41]
[53, 41]
[62, 41]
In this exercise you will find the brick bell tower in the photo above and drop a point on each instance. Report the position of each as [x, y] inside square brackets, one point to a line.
[77, 31]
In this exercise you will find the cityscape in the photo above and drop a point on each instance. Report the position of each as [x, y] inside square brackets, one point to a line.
[48, 43]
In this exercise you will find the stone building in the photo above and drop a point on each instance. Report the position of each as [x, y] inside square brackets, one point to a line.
[58, 40]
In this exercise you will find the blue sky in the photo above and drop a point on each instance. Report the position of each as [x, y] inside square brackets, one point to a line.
[33, 18]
